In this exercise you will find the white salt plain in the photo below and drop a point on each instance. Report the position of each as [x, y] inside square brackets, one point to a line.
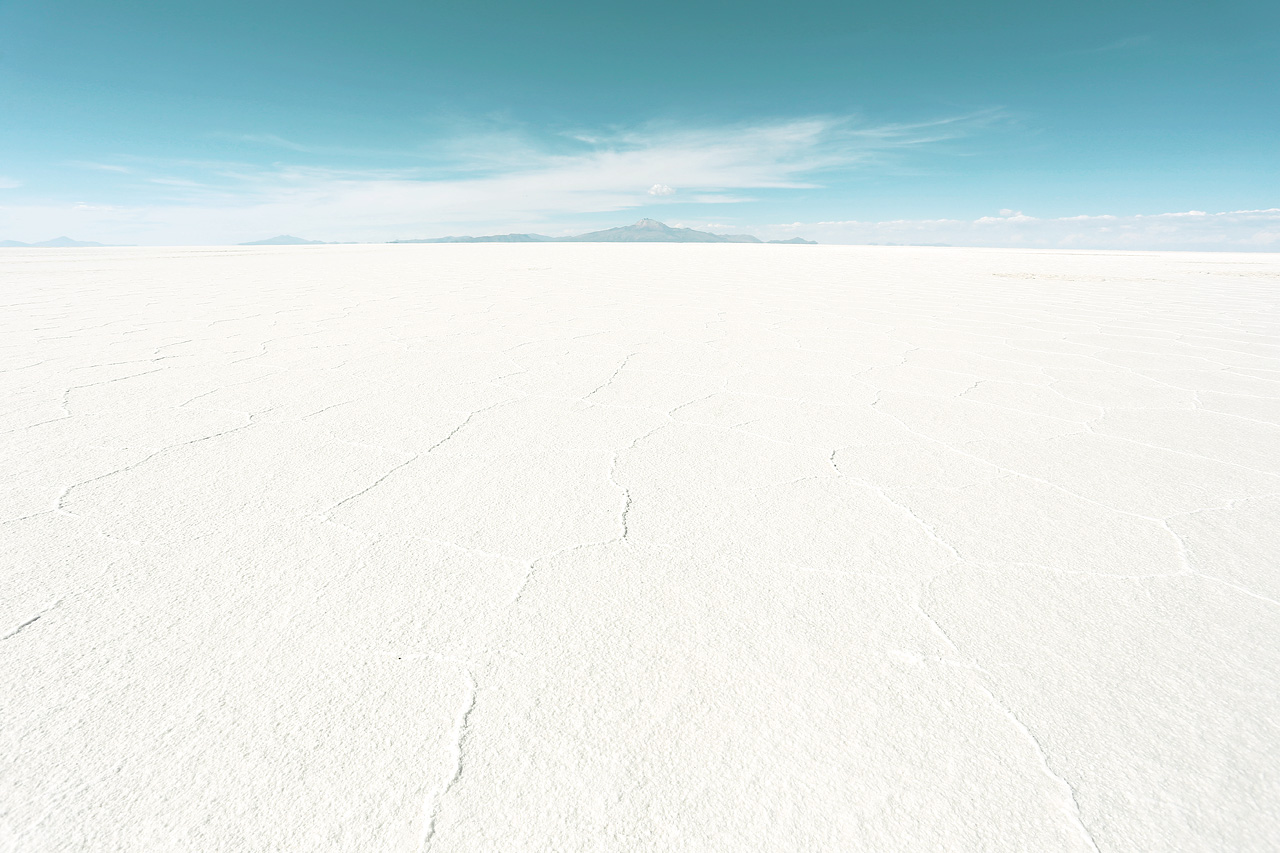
[609, 547]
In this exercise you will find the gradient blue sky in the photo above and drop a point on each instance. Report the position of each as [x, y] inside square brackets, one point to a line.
[999, 123]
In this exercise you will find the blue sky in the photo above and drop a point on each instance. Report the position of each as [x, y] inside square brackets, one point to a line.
[1087, 123]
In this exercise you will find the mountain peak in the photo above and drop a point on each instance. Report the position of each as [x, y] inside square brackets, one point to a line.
[644, 231]
[55, 243]
[648, 231]
[284, 240]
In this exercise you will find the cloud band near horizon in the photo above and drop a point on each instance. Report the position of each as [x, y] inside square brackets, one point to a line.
[505, 178]
[500, 177]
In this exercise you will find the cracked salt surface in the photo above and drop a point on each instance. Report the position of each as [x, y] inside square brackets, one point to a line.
[596, 547]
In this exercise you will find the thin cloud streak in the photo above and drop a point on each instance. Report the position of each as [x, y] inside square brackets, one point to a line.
[100, 167]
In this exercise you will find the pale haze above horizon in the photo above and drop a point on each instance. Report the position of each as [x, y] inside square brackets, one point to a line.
[1131, 125]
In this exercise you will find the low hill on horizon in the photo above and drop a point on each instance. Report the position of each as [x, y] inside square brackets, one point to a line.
[644, 231]
[55, 243]
[285, 240]
[493, 238]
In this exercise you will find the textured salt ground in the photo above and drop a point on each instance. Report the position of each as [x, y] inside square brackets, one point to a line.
[582, 547]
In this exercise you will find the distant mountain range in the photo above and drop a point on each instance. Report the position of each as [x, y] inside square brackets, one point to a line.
[286, 240]
[493, 238]
[55, 243]
[644, 231]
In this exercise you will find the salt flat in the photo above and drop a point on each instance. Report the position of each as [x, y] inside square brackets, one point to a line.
[625, 547]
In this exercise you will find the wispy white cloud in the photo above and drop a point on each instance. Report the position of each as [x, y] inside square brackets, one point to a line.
[1236, 230]
[9, 183]
[501, 178]
[100, 167]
